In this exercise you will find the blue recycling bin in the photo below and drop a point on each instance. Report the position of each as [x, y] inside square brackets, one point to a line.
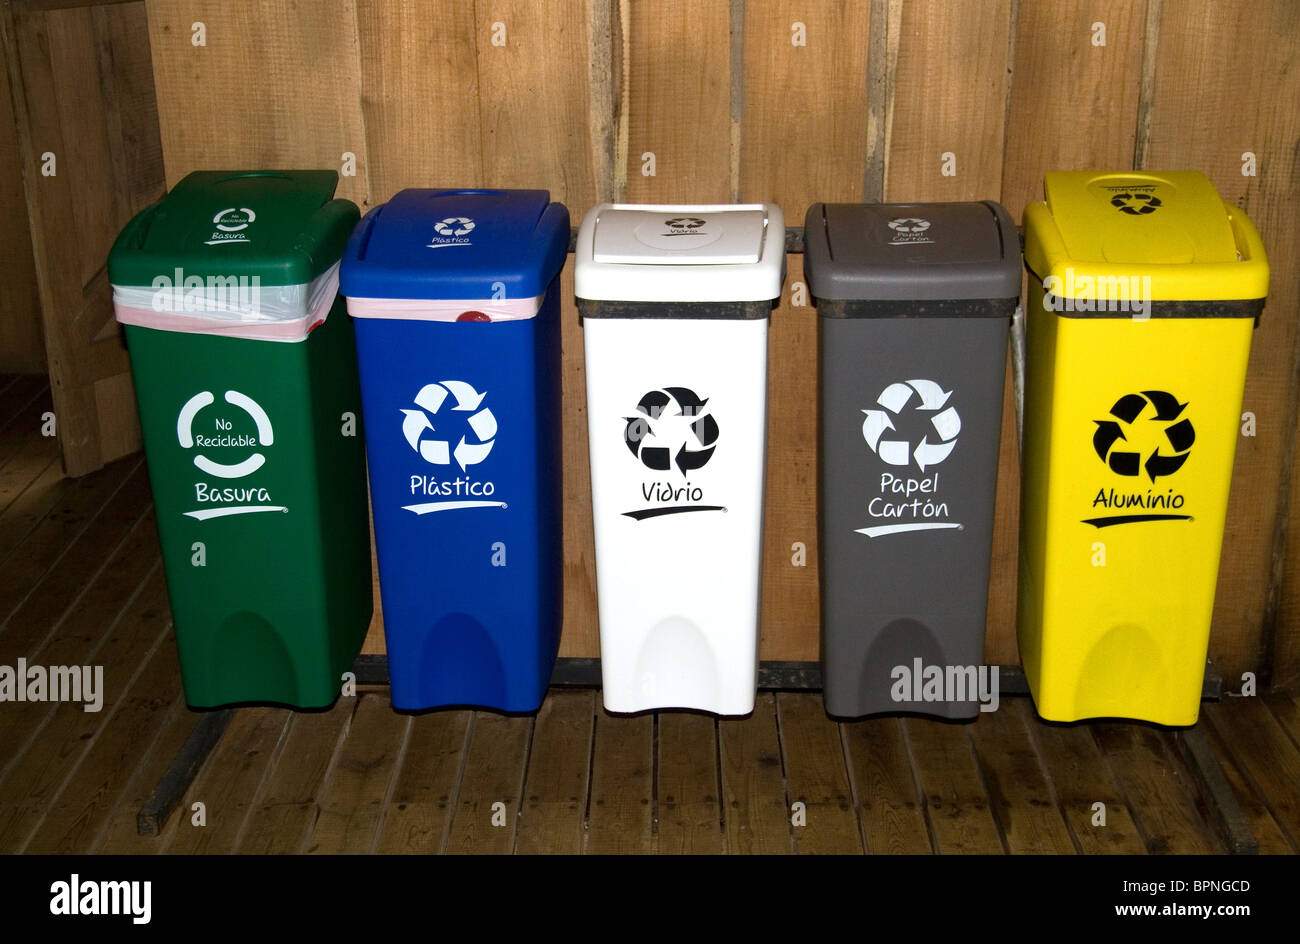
[455, 298]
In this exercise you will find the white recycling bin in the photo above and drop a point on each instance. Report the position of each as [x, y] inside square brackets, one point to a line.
[675, 304]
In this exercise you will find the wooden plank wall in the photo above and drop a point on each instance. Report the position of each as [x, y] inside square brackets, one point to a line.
[22, 345]
[722, 101]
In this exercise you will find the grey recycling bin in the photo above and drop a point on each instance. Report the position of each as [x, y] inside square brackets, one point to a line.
[914, 304]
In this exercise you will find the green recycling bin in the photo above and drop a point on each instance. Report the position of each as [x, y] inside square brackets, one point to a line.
[245, 377]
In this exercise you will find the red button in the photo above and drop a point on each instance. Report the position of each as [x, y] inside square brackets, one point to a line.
[473, 316]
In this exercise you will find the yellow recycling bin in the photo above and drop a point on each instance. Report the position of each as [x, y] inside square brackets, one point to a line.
[1143, 292]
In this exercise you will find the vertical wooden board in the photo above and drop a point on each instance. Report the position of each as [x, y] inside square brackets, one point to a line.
[74, 816]
[756, 812]
[1080, 777]
[87, 164]
[604, 90]
[131, 104]
[688, 817]
[420, 808]
[804, 128]
[889, 805]
[1284, 651]
[1000, 645]
[620, 814]
[1235, 68]
[676, 101]
[1050, 126]
[1254, 807]
[1021, 798]
[816, 776]
[1159, 789]
[791, 600]
[534, 99]
[949, 96]
[1272, 32]
[22, 342]
[581, 636]
[949, 78]
[30, 51]
[228, 783]
[112, 165]
[374, 643]
[493, 774]
[115, 412]
[956, 802]
[555, 793]
[87, 99]
[277, 85]
[1268, 757]
[352, 809]
[289, 803]
[419, 95]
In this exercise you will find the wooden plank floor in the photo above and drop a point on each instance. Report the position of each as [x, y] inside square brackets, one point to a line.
[81, 583]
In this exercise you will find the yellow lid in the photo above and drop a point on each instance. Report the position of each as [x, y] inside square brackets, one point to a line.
[1170, 227]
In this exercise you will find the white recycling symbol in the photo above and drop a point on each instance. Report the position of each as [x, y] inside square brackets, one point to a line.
[454, 226]
[418, 424]
[932, 399]
[909, 224]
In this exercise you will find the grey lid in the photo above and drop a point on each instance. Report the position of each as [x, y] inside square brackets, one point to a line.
[911, 252]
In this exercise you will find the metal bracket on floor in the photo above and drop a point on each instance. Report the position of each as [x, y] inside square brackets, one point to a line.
[1228, 817]
[184, 768]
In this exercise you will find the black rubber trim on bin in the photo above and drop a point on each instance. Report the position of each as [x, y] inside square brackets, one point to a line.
[1161, 308]
[1227, 308]
[917, 308]
[676, 311]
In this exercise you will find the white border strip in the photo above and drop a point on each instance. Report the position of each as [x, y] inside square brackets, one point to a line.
[443, 309]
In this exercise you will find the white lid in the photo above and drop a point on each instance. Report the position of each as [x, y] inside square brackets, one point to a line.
[680, 253]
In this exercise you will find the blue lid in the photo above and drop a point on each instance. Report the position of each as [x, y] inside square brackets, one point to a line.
[457, 244]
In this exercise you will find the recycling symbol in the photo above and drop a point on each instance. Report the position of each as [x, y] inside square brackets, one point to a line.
[454, 226]
[1158, 407]
[672, 428]
[1135, 204]
[930, 398]
[684, 222]
[909, 225]
[418, 424]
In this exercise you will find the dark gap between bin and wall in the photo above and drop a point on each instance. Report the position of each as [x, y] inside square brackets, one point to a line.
[773, 675]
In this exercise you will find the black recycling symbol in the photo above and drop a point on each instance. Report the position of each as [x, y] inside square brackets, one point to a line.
[684, 222]
[661, 436]
[1135, 204]
[1165, 409]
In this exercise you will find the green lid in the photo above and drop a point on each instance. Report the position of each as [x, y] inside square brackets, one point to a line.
[282, 226]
